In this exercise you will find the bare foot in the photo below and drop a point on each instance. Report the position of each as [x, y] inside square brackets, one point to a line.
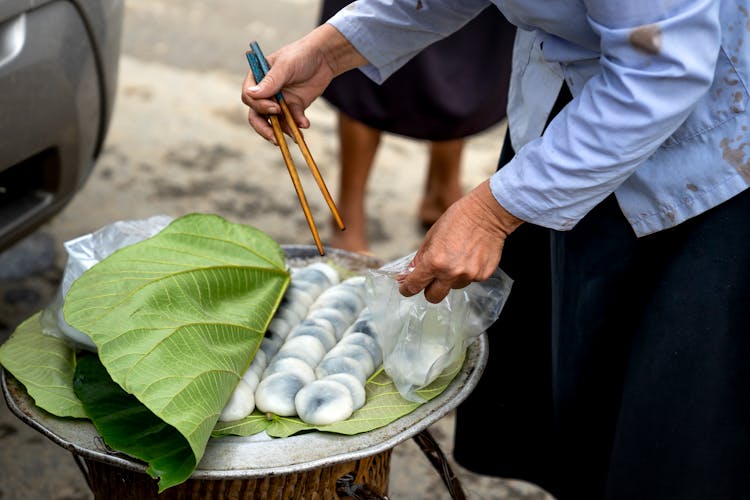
[354, 238]
[358, 144]
[350, 240]
[443, 184]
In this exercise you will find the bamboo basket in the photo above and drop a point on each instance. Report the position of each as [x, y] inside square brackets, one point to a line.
[368, 476]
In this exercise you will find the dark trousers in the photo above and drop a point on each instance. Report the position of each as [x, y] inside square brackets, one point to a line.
[619, 367]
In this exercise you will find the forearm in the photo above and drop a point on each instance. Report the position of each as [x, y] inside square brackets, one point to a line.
[618, 119]
[340, 55]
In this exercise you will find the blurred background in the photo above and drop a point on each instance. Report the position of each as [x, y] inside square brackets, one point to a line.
[179, 142]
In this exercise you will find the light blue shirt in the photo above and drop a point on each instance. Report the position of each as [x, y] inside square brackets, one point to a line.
[660, 111]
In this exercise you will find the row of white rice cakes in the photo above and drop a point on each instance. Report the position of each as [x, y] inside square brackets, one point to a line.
[317, 354]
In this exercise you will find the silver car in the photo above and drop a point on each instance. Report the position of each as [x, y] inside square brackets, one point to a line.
[58, 71]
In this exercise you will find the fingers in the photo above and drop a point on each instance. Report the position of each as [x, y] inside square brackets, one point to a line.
[437, 291]
[256, 96]
[246, 84]
[298, 114]
[259, 108]
[261, 126]
[423, 273]
[263, 91]
[462, 247]
[436, 283]
[261, 99]
[416, 281]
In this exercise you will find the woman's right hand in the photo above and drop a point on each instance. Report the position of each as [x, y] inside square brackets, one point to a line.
[301, 71]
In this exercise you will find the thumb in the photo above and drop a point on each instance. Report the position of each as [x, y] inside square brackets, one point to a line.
[269, 86]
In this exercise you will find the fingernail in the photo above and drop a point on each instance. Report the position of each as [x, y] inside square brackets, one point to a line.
[253, 89]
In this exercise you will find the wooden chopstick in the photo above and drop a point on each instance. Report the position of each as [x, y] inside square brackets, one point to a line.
[286, 154]
[297, 134]
[312, 165]
[279, 134]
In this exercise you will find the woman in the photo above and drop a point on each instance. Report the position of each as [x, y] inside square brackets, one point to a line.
[629, 294]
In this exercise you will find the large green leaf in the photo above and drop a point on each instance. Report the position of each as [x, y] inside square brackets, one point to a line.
[252, 424]
[44, 365]
[128, 426]
[384, 405]
[178, 318]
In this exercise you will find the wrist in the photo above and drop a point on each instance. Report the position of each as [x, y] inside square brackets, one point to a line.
[497, 215]
[339, 54]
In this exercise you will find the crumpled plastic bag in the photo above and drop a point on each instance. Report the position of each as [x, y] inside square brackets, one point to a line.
[419, 339]
[83, 253]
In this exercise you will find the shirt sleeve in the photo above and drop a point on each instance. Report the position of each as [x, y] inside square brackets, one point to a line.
[657, 60]
[390, 32]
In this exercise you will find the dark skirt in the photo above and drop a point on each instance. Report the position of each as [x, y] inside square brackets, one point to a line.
[619, 366]
[454, 88]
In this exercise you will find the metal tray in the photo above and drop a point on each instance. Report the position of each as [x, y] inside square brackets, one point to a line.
[256, 456]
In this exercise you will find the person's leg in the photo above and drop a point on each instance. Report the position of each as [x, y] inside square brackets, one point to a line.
[650, 357]
[504, 426]
[682, 427]
[443, 183]
[594, 305]
[358, 145]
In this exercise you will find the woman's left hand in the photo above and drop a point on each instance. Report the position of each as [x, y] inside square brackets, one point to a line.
[463, 246]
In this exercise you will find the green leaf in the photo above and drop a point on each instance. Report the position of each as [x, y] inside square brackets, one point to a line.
[178, 318]
[384, 405]
[128, 426]
[44, 365]
[252, 424]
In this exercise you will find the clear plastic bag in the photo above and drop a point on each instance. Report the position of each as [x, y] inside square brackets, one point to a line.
[83, 253]
[420, 339]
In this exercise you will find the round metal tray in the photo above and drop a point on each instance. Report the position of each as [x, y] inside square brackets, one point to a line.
[255, 456]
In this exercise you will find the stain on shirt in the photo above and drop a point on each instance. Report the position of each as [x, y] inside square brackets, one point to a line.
[736, 156]
[647, 38]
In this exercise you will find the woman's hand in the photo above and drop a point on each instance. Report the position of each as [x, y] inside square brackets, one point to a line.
[302, 69]
[463, 246]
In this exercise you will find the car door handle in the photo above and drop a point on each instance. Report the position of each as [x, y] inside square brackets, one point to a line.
[12, 36]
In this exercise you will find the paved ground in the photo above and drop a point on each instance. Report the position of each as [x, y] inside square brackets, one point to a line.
[179, 143]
